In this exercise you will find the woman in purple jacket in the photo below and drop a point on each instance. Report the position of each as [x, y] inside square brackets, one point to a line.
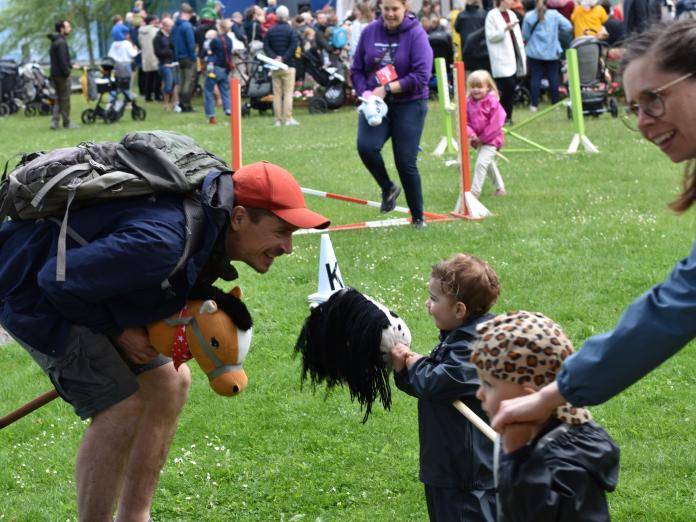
[394, 60]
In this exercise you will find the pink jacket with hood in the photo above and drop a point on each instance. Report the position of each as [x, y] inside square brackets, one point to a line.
[485, 118]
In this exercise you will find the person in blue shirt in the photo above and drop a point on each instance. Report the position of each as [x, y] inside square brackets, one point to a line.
[659, 77]
[541, 30]
[185, 53]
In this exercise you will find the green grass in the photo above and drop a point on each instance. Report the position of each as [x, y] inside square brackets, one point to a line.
[577, 238]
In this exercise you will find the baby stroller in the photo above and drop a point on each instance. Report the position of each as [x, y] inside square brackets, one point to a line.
[36, 90]
[441, 44]
[118, 89]
[9, 82]
[330, 79]
[594, 84]
[255, 84]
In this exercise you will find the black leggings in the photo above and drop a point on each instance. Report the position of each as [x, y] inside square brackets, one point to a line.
[506, 86]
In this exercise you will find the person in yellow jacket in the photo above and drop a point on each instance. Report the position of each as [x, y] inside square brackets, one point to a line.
[456, 39]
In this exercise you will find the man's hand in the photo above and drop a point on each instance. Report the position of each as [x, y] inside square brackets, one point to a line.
[135, 345]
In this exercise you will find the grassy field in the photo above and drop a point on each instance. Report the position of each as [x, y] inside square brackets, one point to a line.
[577, 238]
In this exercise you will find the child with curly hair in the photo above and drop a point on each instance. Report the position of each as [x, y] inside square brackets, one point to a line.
[455, 458]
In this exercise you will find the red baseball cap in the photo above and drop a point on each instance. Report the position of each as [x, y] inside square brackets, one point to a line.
[265, 185]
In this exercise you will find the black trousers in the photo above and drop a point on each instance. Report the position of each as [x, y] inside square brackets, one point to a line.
[456, 505]
[506, 87]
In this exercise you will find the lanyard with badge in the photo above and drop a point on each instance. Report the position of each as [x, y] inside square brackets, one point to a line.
[387, 73]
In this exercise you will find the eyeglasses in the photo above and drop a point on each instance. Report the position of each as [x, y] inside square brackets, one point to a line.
[649, 103]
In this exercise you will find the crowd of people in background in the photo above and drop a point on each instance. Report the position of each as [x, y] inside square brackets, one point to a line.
[169, 56]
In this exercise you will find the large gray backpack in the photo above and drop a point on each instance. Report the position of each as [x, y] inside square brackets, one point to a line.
[48, 184]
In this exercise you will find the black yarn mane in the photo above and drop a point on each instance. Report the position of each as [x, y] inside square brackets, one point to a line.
[339, 344]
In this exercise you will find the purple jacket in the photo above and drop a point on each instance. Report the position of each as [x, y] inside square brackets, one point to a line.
[407, 49]
[485, 118]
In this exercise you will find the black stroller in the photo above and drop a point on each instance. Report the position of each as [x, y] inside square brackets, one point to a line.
[254, 82]
[332, 82]
[441, 44]
[9, 82]
[118, 89]
[36, 90]
[594, 85]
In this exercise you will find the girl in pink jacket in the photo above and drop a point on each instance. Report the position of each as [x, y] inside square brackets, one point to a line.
[485, 119]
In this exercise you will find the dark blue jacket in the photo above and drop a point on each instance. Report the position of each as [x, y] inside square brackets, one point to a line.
[281, 40]
[453, 453]
[113, 282]
[219, 57]
[184, 40]
[563, 475]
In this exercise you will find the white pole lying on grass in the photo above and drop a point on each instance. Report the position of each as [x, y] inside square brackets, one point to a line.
[475, 420]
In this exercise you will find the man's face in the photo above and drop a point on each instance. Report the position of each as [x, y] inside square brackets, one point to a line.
[321, 18]
[258, 244]
[67, 28]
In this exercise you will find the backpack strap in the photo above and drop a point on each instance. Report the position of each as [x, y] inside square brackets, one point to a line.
[193, 211]
[55, 180]
[63, 234]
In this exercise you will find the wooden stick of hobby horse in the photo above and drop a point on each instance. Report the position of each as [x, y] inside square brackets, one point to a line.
[30, 406]
[475, 420]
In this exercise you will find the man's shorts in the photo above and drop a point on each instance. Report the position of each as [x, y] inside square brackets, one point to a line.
[91, 374]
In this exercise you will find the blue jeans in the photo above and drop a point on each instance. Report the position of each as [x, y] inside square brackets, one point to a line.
[404, 125]
[168, 79]
[537, 70]
[223, 82]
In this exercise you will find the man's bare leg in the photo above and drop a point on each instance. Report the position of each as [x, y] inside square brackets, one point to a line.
[102, 457]
[163, 392]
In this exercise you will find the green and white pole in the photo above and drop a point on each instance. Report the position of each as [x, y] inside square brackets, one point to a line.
[576, 105]
[447, 142]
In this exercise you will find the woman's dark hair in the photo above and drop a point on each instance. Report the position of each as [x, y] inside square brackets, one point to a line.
[59, 26]
[670, 46]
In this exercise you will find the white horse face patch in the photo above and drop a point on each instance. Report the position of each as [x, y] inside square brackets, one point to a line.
[396, 332]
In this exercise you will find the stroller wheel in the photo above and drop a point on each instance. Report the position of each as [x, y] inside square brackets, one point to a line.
[88, 117]
[138, 113]
[4, 109]
[318, 105]
[613, 108]
[246, 110]
[30, 111]
[522, 96]
[569, 112]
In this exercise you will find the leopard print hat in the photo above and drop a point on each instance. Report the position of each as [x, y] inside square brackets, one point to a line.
[526, 348]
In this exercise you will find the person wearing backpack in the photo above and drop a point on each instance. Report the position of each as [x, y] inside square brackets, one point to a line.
[470, 25]
[86, 330]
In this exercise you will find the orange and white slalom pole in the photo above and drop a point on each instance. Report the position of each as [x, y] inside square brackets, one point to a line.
[467, 205]
[236, 123]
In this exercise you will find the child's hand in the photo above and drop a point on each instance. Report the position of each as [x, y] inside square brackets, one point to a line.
[474, 141]
[411, 359]
[399, 353]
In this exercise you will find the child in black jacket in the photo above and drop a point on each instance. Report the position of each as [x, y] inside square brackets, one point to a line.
[559, 470]
[455, 458]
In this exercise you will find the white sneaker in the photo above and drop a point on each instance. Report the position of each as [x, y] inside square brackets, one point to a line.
[532, 108]
[177, 108]
[292, 121]
[278, 123]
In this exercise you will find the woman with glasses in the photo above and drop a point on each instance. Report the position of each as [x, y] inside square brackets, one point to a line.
[659, 77]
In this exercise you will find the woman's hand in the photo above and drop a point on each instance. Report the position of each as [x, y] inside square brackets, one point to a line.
[534, 408]
[379, 91]
[510, 26]
[135, 345]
